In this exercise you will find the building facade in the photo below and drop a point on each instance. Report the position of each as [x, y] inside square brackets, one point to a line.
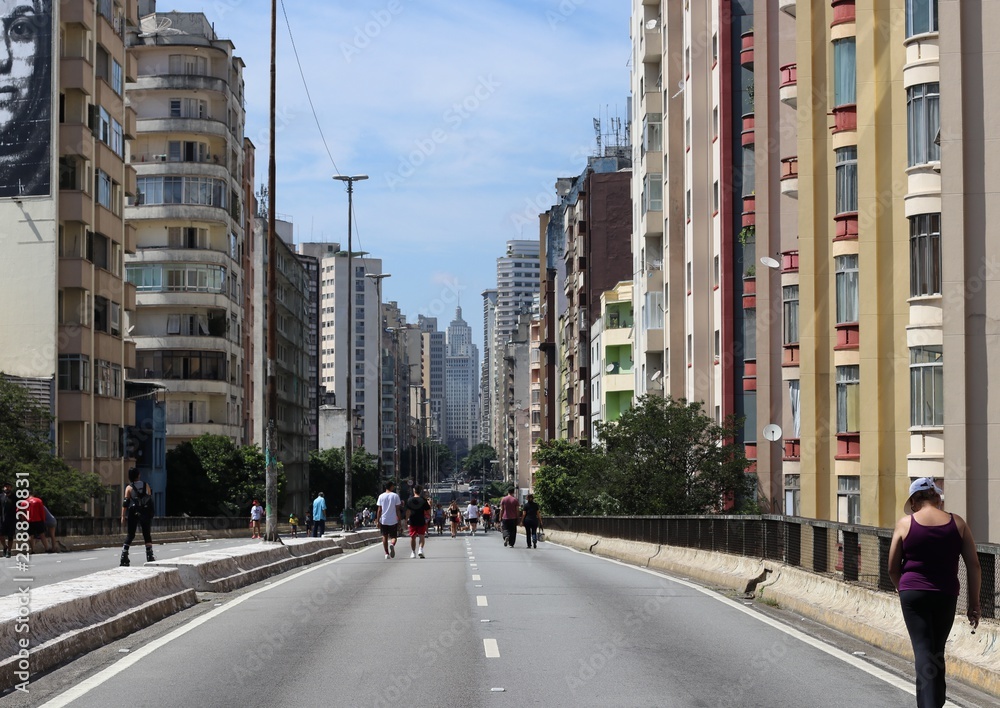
[62, 197]
[189, 218]
[461, 388]
[486, 387]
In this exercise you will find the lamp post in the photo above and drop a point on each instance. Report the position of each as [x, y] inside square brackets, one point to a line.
[349, 448]
[377, 278]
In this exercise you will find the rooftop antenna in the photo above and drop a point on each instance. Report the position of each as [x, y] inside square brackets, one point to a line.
[597, 130]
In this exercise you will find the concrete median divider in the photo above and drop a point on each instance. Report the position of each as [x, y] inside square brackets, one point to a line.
[873, 617]
[67, 619]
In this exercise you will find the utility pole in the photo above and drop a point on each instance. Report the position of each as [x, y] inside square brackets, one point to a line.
[271, 441]
[349, 447]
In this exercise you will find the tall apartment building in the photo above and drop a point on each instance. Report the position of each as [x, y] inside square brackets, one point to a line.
[486, 393]
[517, 285]
[461, 388]
[814, 269]
[435, 354]
[63, 183]
[188, 213]
[295, 390]
[339, 290]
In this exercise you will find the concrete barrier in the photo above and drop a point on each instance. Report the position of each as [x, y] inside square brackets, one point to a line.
[67, 619]
[870, 616]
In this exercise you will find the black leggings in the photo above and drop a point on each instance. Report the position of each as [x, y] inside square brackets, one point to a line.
[929, 616]
[133, 520]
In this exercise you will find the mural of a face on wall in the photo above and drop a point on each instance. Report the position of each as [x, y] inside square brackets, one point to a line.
[25, 97]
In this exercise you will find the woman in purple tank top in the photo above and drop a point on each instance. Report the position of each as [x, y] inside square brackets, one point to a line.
[923, 565]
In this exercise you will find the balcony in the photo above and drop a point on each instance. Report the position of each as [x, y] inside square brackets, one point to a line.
[790, 262]
[788, 89]
[747, 136]
[77, 206]
[848, 446]
[76, 73]
[78, 13]
[746, 49]
[652, 45]
[848, 335]
[76, 273]
[787, 6]
[790, 176]
[749, 210]
[790, 355]
[845, 118]
[846, 226]
[843, 12]
[177, 126]
[182, 82]
[76, 139]
[793, 449]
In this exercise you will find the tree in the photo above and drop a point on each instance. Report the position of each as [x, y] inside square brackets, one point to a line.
[479, 459]
[26, 450]
[664, 456]
[563, 482]
[326, 474]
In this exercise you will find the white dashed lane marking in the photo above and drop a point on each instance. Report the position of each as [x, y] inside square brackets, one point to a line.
[481, 601]
[492, 650]
[476, 577]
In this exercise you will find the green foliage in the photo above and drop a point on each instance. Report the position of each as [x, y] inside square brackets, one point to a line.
[326, 474]
[366, 501]
[564, 483]
[478, 459]
[212, 476]
[664, 456]
[747, 234]
[25, 448]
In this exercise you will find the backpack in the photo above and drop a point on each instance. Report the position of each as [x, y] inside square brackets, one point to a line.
[140, 500]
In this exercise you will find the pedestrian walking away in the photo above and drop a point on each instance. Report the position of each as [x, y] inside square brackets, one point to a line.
[418, 513]
[309, 524]
[8, 517]
[256, 516]
[923, 565]
[36, 520]
[319, 515]
[454, 517]
[50, 530]
[487, 516]
[531, 518]
[439, 518]
[137, 510]
[509, 517]
[388, 512]
[472, 514]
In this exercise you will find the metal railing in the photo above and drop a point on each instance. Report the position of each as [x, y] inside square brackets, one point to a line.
[852, 554]
[111, 526]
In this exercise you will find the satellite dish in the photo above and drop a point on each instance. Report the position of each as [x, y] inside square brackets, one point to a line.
[656, 375]
[609, 368]
[154, 26]
[651, 24]
[680, 89]
[769, 262]
[771, 432]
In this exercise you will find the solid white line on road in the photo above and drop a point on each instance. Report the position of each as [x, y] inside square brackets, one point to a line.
[89, 684]
[889, 678]
[481, 601]
[492, 650]
[476, 577]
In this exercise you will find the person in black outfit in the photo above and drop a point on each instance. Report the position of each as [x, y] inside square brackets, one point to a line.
[137, 507]
[8, 514]
[531, 518]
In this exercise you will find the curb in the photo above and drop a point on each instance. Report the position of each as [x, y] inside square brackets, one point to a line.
[867, 615]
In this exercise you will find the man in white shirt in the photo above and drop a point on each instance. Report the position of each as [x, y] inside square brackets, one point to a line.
[472, 514]
[387, 513]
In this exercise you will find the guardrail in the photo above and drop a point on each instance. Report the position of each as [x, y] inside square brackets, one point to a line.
[853, 554]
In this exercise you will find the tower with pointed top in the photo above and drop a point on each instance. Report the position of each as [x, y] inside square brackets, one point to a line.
[461, 388]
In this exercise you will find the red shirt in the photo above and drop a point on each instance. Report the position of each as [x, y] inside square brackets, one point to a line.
[508, 508]
[36, 509]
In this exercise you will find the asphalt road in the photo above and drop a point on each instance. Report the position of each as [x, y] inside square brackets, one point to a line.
[473, 624]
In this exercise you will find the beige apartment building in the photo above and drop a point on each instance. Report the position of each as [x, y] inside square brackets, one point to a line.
[63, 184]
[190, 260]
[850, 137]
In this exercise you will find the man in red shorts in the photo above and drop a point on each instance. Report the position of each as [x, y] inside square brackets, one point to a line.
[36, 520]
[418, 511]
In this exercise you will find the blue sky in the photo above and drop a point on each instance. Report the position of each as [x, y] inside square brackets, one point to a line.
[463, 114]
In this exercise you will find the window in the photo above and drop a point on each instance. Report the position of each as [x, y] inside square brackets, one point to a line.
[849, 500]
[97, 250]
[187, 237]
[790, 303]
[74, 372]
[844, 72]
[116, 319]
[925, 255]
[750, 334]
[102, 181]
[795, 407]
[182, 190]
[652, 192]
[652, 133]
[116, 77]
[926, 386]
[101, 314]
[117, 138]
[923, 123]
[847, 288]
[183, 64]
[847, 180]
[652, 313]
[107, 379]
[921, 16]
[793, 495]
[848, 407]
[715, 197]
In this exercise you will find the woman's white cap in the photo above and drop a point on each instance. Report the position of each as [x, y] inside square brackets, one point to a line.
[924, 484]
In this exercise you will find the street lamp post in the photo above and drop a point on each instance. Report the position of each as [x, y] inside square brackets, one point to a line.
[349, 448]
[377, 278]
